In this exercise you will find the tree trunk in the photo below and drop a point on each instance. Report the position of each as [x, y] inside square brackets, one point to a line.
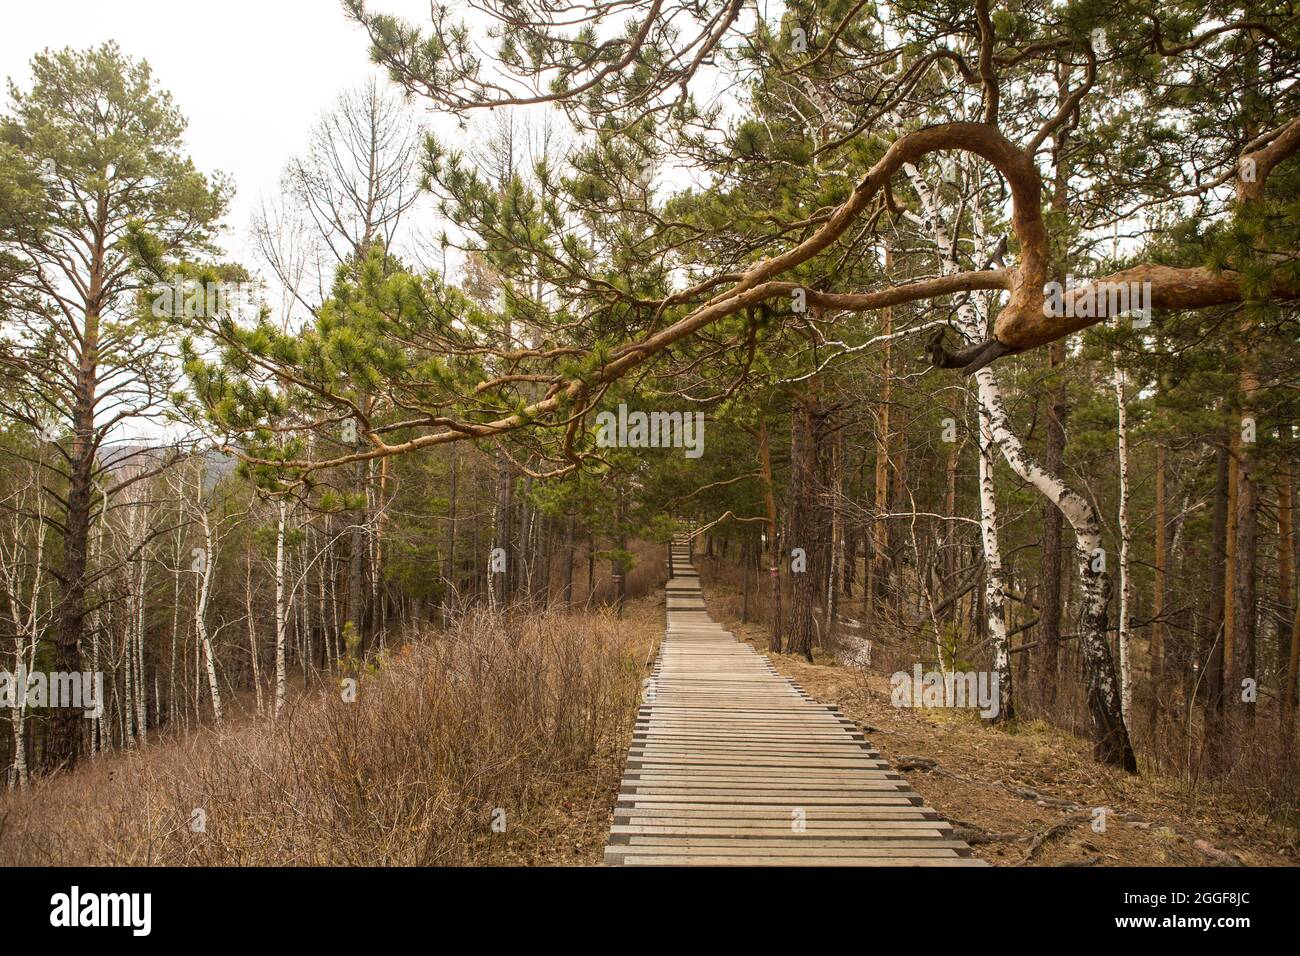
[831, 590]
[252, 634]
[877, 569]
[1125, 653]
[972, 321]
[452, 495]
[994, 579]
[1158, 587]
[1244, 611]
[356, 623]
[948, 562]
[1049, 580]
[358, 546]
[1288, 625]
[773, 544]
[804, 534]
[1111, 744]
[378, 523]
[1049, 588]
[201, 606]
[137, 662]
[64, 742]
[1230, 680]
[570, 550]
[1217, 610]
[501, 585]
[619, 568]
[744, 575]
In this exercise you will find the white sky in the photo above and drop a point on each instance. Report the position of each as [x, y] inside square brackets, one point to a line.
[252, 76]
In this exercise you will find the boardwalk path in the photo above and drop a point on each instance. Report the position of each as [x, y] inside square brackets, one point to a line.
[733, 764]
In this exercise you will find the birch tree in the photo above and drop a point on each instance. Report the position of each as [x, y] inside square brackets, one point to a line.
[971, 323]
[203, 562]
[210, 515]
[1125, 538]
[1110, 735]
[24, 580]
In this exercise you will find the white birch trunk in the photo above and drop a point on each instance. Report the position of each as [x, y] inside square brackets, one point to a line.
[18, 722]
[994, 579]
[97, 722]
[127, 656]
[973, 324]
[335, 632]
[201, 608]
[1110, 735]
[322, 560]
[18, 776]
[24, 651]
[304, 623]
[1125, 654]
[26, 633]
[97, 735]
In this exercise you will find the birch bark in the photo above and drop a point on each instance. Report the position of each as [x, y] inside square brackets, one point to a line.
[204, 572]
[26, 624]
[972, 322]
[1125, 652]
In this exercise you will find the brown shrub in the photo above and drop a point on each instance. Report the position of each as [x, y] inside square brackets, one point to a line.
[444, 730]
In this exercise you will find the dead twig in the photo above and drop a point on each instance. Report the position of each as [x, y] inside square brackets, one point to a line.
[1051, 833]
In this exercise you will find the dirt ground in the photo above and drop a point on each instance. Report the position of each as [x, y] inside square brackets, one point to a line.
[1031, 795]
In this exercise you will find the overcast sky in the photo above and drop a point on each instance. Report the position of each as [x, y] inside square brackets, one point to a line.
[251, 75]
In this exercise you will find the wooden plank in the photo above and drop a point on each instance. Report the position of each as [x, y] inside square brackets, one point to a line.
[775, 843]
[791, 853]
[733, 764]
[685, 801]
[877, 830]
[759, 860]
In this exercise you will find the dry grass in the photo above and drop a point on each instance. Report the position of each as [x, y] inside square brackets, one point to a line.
[534, 719]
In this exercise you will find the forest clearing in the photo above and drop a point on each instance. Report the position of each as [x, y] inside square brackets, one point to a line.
[652, 433]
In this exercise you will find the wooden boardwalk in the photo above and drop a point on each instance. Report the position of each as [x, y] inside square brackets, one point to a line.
[734, 765]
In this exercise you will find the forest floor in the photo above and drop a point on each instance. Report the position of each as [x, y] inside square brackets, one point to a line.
[1028, 795]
